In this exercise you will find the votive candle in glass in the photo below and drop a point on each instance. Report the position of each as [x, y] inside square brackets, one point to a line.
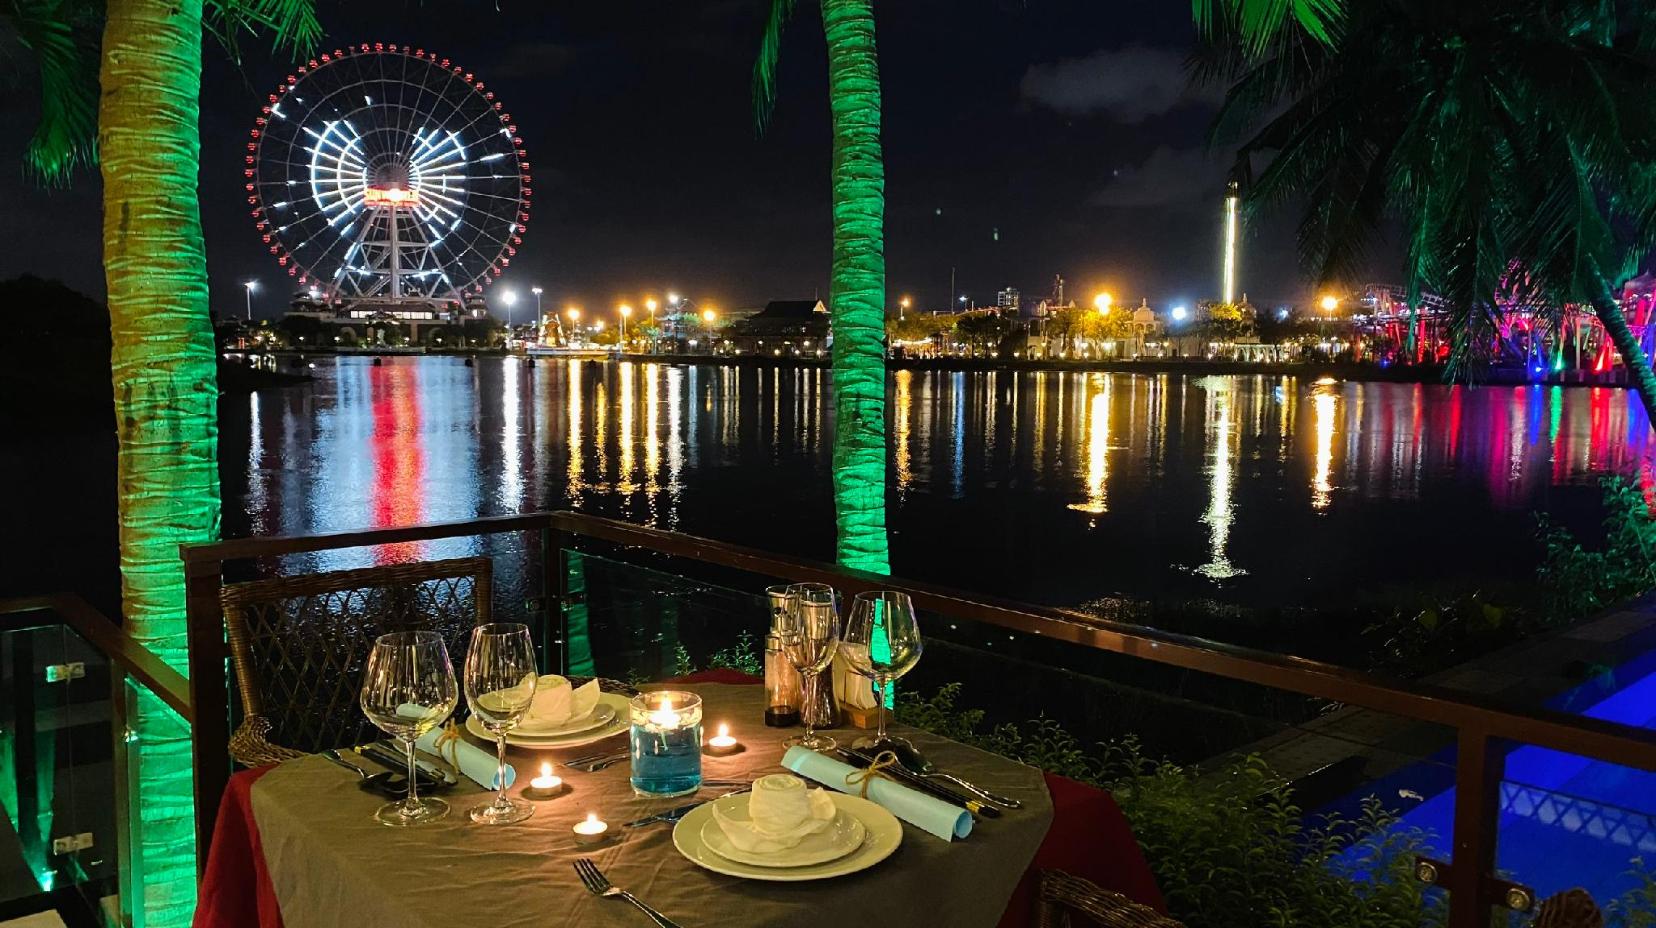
[666, 741]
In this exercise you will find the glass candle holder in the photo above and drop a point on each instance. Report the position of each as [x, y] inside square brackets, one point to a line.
[666, 740]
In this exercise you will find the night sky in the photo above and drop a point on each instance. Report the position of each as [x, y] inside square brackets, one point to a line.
[1023, 138]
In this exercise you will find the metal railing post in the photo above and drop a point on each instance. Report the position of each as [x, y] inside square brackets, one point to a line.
[209, 696]
[1480, 765]
[555, 584]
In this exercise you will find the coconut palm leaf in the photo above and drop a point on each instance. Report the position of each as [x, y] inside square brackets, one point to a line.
[291, 24]
[764, 67]
[62, 36]
[1259, 24]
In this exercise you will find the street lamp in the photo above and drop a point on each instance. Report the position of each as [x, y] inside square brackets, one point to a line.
[1102, 303]
[1330, 303]
[251, 286]
[537, 292]
[621, 340]
[509, 298]
[708, 315]
[902, 307]
[574, 314]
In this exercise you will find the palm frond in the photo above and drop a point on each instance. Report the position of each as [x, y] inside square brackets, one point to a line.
[291, 24]
[764, 67]
[1261, 23]
[63, 37]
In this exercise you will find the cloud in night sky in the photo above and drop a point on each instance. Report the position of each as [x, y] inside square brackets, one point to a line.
[1168, 177]
[1130, 84]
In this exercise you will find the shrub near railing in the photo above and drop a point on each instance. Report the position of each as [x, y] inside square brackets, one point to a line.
[1228, 851]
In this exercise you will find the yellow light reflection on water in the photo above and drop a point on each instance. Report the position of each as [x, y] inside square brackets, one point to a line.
[902, 408]
[1223, 440]
[1324, 406]
[1098, 447]
[573, 391]
[624, 479]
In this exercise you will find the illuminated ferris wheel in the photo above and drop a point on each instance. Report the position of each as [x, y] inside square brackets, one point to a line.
[387, 174]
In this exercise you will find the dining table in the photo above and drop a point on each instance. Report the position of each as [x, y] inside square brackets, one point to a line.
[297, 846]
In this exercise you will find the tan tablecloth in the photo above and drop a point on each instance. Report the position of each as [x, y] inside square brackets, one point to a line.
[332, 864]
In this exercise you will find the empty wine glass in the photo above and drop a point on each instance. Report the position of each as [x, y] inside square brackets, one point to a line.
[407, 690]
[500, 684]
[882, 640]
[810, 631]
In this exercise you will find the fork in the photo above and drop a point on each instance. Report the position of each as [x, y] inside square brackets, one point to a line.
[599, 885]
[602, 764]
[596, 755]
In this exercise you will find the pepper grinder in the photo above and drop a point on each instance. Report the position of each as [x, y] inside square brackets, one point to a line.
[782, 679]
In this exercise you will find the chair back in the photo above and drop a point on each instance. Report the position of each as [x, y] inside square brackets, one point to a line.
[299, 645]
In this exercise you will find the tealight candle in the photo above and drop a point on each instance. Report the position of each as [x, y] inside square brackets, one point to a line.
[592, 830]
[724, 743]
[546, 785]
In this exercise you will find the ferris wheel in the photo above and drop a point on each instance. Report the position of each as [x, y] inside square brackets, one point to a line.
[387, 174]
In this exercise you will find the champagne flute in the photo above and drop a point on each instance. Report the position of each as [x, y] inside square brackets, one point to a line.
[810, 633]
[407, 690]
[882, 640]
[500, 684]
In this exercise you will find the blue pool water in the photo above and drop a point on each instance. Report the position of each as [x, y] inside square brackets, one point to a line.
[1566, 821]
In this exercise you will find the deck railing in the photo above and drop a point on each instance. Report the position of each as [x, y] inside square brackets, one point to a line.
[1485, 728]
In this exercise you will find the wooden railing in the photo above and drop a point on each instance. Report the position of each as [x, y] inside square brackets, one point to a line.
[1485, 727]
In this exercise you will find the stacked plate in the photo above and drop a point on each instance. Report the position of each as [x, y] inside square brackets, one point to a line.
[607, 719]
[862, 835]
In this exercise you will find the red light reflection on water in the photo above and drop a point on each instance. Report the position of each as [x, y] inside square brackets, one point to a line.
[397, 496]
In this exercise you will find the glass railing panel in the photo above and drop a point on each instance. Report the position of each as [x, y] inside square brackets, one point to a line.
[56, 771]
[627, 621]
[155, 796]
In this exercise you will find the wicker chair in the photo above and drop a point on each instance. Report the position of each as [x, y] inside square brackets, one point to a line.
[299, 646]
[1063, 895]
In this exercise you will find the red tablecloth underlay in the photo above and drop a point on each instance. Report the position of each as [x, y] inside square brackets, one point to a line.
[1089, 838]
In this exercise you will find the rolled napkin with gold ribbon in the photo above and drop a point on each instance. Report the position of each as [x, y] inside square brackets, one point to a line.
[781, 813]
[928, 813]
[477, 764]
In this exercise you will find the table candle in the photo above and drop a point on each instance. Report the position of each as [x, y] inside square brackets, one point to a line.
[546, 785]
[592, 830]
[666, 743]
[724, 743]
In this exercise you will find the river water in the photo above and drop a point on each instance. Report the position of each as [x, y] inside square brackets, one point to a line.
[1049, 487]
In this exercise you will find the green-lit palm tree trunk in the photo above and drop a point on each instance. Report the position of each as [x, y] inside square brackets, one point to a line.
[857, 290]
[1639, 373]
[165, 391]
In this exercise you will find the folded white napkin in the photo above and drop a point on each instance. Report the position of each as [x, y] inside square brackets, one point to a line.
[557, 703]
[781, 813]
[852, 689]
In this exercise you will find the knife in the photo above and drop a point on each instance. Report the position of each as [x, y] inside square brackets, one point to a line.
[859, 759]
[673, 815]
[382, 754]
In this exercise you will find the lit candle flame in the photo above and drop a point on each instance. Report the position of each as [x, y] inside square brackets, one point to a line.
[546, 769]
[724, 730]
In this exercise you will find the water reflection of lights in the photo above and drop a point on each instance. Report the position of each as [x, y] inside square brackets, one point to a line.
[1323, 405]
[624, 440]
[1222, 434]
[511, 436]
[573, 390]
[1098, 447]
[902, 408]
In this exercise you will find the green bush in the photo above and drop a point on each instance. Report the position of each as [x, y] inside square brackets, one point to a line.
[1229, 850]
[1576, 581]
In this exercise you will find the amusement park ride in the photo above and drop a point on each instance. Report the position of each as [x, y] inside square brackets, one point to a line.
[389, 183]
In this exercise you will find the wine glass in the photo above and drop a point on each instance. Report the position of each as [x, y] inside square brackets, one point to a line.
[500, 684]
[408, 690]
[882, 640]
[810, 632]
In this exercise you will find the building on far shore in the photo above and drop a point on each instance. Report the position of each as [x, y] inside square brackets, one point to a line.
[367, 324]
[784, 328]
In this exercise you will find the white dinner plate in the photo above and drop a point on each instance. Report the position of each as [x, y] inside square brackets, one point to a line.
[615, 726]
[883, 834]
[843, 836]
[601, 714]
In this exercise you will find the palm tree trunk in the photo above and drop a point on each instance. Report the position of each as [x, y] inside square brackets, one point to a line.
[1640, 374]
[165, 393]
[857, 290]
